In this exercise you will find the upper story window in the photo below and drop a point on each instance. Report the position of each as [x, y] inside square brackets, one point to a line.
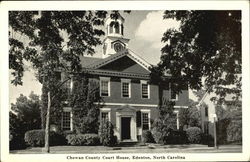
[117, 28]
[104, 86]
[173, 93]
[122, 28]
[144, 89]
[126, 88]
[110, 29]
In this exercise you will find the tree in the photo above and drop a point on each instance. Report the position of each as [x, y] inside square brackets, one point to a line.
[56, 40]
[206, 45]
[191, 116]
[45, 48]
[28, 110]
[85, 102]
[24, 116]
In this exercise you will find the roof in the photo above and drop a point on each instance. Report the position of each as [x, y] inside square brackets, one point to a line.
[87, 61]
[127, 52]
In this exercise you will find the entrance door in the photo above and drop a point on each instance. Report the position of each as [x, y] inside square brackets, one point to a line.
[125, 131]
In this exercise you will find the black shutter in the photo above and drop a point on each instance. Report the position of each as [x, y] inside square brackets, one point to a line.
[138, 118]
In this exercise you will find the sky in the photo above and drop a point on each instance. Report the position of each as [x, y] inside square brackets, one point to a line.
[144, 28]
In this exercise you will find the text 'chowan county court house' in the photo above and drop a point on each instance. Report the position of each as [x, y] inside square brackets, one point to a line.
[130, 99]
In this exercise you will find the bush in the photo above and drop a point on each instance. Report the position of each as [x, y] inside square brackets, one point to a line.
[16, 132]
[176, 137]
[194, 135]
[147, 137]
[36, 138]
[106, 133]
[83, 139]
[234, 131]
[207, 139]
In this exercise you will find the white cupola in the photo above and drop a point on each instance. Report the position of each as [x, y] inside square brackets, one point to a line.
[114, 40]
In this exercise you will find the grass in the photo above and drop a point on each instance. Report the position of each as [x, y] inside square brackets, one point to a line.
[133, 149]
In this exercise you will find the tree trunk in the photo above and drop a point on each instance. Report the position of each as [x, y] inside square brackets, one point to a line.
[47, 125]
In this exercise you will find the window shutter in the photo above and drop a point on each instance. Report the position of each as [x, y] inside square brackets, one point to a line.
[138, 118]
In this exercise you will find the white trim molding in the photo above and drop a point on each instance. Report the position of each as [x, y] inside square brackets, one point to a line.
[144, 105]
[120, 104]
[177, 119]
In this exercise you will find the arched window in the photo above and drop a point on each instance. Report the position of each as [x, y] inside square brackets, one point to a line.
[122, 29]
[117, 28]
[111, 28]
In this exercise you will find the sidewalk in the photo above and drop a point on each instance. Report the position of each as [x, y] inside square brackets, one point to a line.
[193, 148]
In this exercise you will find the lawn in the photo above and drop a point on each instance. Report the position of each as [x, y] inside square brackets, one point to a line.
[133, 149]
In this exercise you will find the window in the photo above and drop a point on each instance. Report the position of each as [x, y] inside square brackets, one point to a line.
[206, 111]
[145, 121]
[110, 29]
[173, 93]
[104, 87]
[122, 29]
[117, 28]
[66, 120]
[125, 88]
[104, 116]
[144, 89]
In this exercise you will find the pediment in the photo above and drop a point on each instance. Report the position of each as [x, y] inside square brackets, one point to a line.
[126, 108]
[125, 64]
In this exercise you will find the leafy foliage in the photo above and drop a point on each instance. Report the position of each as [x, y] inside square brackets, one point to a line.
[28, 111]
[24, 116]
[83, 139]
[194, 134]
[190, 117]
[206, 45]
[163, 126]
[16, 134]
[229, 125]
[85, 101]
[106, 133]
[35, 138]
[147, 137]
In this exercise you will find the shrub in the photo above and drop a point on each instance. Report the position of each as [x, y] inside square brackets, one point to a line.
[36, 138]
[83, 139]
[234, 131]
[106, 133]
[207, 139]
[163, 131]
[16, 132]
[147, 137]
[157, 131]
[194, 134]
[176, 137]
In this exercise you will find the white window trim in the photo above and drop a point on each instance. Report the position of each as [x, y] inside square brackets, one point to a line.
[129, 87]
[170, 95]
[105, 79]
[68, 109]
[145, 82]
[106, 110]
[177, 119]
[149, 117]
